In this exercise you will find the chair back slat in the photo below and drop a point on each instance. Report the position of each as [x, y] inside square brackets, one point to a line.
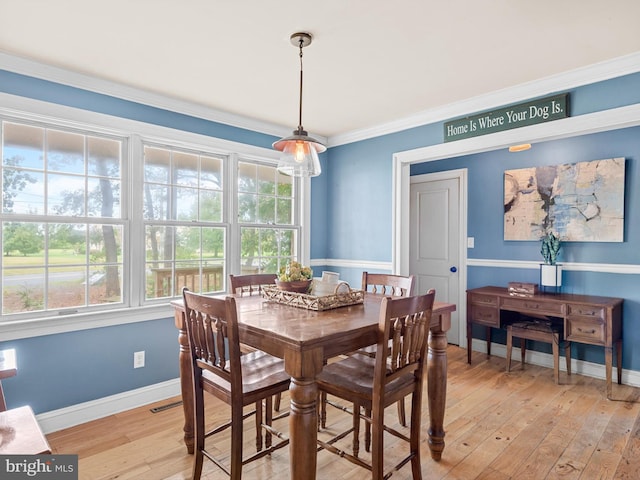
[384, 284]
[250, 284]
[213, 335]
[404, 320]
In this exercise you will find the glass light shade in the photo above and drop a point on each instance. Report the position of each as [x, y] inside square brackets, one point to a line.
[299, 155]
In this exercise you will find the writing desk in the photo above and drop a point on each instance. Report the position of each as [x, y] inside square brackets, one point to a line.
[587, 319]
[305, 339]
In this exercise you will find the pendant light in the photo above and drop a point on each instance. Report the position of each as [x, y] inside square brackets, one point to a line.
[299, 151]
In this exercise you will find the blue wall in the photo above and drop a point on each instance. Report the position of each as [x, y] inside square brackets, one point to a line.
[351, 220]
[367, 235]
[55, 371]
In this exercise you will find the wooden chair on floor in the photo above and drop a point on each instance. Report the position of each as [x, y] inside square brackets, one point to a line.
[238, 380]
[252, 285]
[541, 331]
[380, 284]
[375, 383]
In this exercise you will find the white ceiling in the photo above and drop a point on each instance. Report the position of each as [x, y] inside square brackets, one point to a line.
[371, 61]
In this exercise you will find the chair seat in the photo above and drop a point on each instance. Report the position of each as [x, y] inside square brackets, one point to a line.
[260, 372]
[354, 375]
[20, 433]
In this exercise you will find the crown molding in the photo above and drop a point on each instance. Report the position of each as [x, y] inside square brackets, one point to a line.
[31, 68]
[574, 78]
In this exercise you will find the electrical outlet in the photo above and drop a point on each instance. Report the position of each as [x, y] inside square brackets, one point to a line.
[138, 359]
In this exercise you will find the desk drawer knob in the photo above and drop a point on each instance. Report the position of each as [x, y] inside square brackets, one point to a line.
[590, 332]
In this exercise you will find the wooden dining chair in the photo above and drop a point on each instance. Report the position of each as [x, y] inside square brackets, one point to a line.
[386, 284]
[238, 380]
[250, 284]
[375, 383]
[380, 284]
[247, 285]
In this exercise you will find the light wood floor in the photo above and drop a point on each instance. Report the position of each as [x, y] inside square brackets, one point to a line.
[499, 425]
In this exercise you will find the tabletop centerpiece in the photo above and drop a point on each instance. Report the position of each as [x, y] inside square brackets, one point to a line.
[294, 277]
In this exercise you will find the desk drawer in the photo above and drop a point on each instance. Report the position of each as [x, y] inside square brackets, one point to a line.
[485, 315]
[482, 299]
[586, 330]
[589, 311]
[531, 305]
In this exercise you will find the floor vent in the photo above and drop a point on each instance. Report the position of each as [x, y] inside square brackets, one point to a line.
[162, 408]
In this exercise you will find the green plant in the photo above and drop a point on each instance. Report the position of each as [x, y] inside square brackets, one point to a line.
[294, 271]
[550, 248]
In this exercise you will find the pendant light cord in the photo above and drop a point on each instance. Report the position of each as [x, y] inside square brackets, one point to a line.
[300, 129]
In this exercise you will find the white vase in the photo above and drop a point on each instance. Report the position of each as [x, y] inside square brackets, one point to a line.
[550, 275]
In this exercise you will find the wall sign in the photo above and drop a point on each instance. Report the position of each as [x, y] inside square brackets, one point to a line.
[529, 113]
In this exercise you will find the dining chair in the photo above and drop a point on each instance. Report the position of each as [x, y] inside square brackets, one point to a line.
[252, 285]
[386, 284]
[395, 372]
[380, 284]
[219, 369]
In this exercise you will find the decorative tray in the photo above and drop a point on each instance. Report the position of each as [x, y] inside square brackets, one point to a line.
[311, 302]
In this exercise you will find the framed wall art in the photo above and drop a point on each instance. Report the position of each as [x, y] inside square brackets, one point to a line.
[581, 202]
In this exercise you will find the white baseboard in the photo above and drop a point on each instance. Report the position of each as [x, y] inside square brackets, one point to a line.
[580, 367]
[85, 412]
[102, 407]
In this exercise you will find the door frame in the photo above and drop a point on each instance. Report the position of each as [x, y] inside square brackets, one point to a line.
[461, 176]
[605, 120]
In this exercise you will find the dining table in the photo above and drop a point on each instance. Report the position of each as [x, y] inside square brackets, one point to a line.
[306, 339]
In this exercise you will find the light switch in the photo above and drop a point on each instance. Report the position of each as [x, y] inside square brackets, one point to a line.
[471, 242]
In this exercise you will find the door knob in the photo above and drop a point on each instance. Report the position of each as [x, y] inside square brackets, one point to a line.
[453, 269]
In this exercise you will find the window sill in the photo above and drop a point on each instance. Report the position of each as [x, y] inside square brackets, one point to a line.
[82, 321]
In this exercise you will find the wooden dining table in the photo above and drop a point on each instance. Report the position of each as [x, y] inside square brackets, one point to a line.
[306, 339]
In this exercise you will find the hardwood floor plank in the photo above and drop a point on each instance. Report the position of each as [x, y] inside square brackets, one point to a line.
[629, 465]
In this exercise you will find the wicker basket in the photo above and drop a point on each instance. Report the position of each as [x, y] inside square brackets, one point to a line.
[311, 302]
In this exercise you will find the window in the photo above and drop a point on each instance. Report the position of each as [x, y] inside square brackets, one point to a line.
[266, 216]
[62, 225]
[101, 214]
[183, 213]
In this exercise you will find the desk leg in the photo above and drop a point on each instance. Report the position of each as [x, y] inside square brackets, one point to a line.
[303, 417]
[469, 340]
[437, 384]
[608, 361]
[185, 383]
[619, 360]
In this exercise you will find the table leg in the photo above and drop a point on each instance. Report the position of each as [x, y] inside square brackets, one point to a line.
[303, 415]
[437, 384]
[186, 385]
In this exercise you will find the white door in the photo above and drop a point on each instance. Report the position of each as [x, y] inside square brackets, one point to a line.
[434, 241]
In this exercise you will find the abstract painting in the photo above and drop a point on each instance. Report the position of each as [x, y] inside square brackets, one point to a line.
[581, 202]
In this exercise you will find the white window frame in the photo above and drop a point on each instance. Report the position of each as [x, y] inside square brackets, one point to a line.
[25, 109]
